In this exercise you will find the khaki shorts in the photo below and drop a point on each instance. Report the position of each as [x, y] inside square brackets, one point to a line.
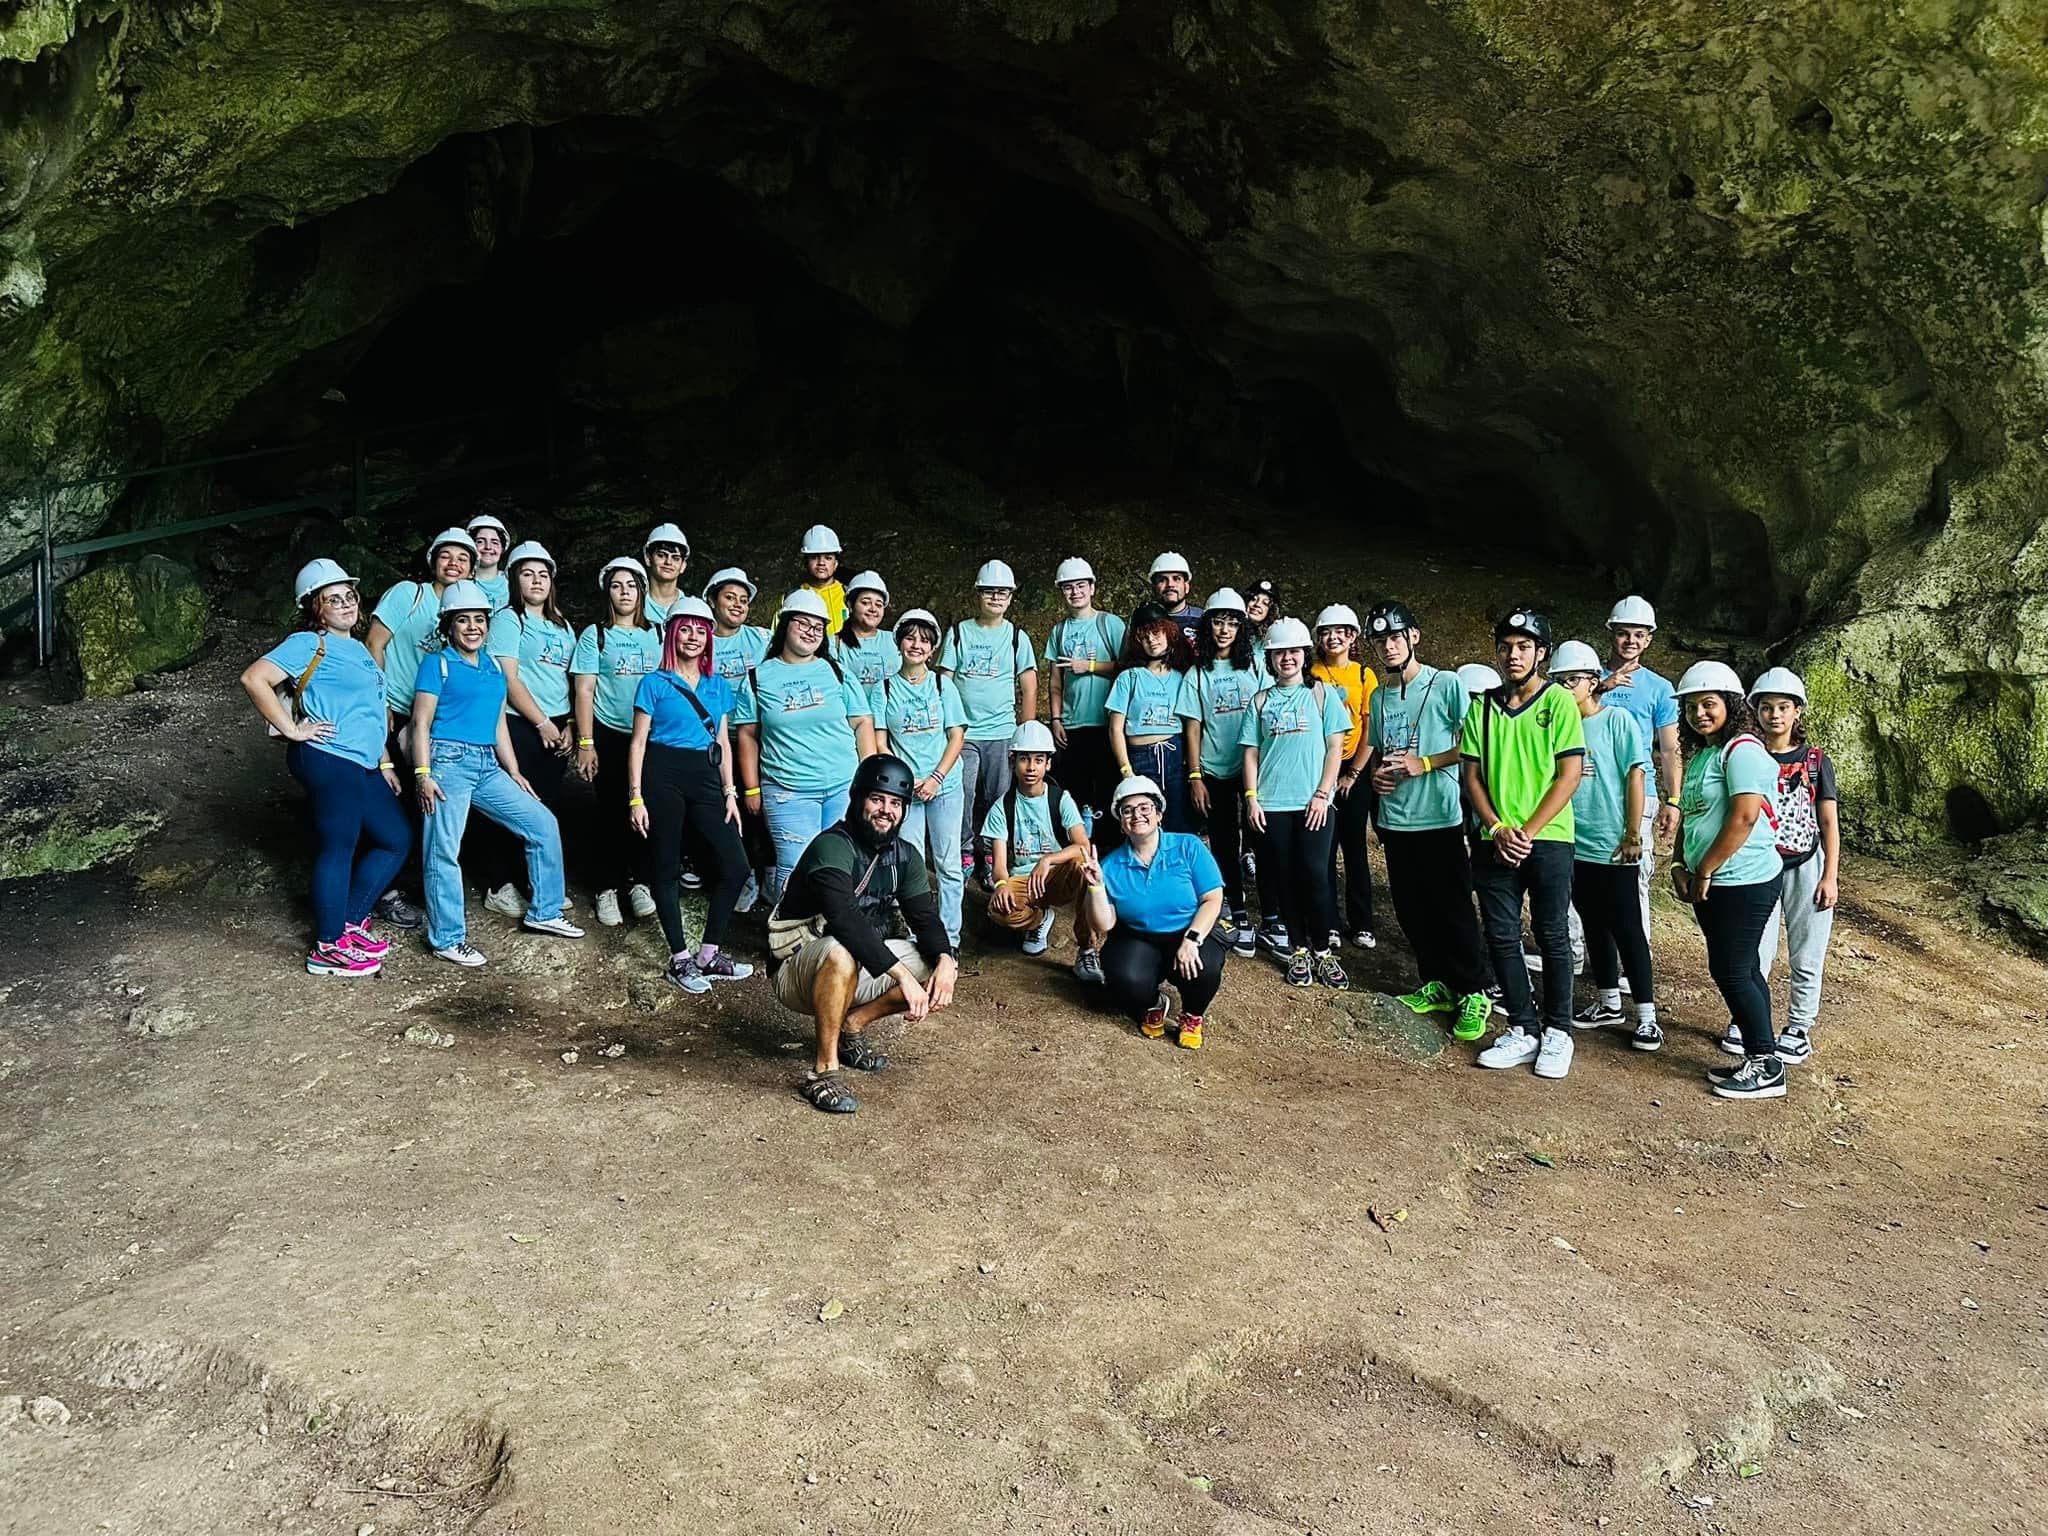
[796, 980]
[1063, 887]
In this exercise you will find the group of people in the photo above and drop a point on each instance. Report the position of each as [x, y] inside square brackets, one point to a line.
[859, 774]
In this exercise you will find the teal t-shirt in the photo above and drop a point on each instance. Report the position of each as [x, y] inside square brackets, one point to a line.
[733, 656]
[867, 664]
[986, 663]
[1614, 745]
[1218, 696]
[1100, 639]
[1423, 716]
[542, 651]
[346, 690]
[805, 716]
[1147, 700]
[498, 588]
[1292, 736]
[917, 716]
[628, 656]
[657, 613]
[411, 610]
[1035, 838]
[1712, 779]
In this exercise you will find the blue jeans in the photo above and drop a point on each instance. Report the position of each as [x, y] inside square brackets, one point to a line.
[793, 820]
[939, 820]
[1165, 764]
[362, 833]
[470, 775]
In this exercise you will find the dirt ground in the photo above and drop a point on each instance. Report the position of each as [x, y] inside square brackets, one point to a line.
[286, 1271]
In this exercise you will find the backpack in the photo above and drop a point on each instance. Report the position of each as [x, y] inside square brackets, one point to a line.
[1052, 816]
[1798, 814]
[1770, 810]
[959, 645]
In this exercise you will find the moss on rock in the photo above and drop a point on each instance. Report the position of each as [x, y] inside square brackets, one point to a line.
[121, 622]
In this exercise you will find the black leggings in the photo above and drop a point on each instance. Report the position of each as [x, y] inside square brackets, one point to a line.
[501, 857]
[1430, 875]
[1135, 964]
[1226, 836]
[1609, 908]
[1733, 917]
[1301, 875]
[1084, 768]
[623, 857]
[684, 795]
[1353, 815]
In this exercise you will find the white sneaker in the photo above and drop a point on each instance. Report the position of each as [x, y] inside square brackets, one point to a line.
[642, 900]
[506, 902]
[560, 927]
[1731, 1043]
[1510, 1049]
[608, 909]
[749, 894]
[1554, 1053]
[459, 954]
[1041, 935]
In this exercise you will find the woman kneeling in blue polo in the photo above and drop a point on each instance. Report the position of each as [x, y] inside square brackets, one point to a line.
[1158, 899]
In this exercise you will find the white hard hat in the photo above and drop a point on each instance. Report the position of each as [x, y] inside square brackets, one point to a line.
[1709, 677]
[315, 574]
[1171, 562]
[996, 574]
[1136, 784]
[532, 549]
[730, 573]
[1633, 611]
[447, 536]
[465, 597]
[819, 540]
[622, 563]
[918, 616]
[1224, 600]
[667, 533]
[1478, 677]
[1287, 635]
[691, 608]
[804, 601]
[1032, 736]
[1779, 680]
[1575, 656]
[868, 581]
[1338, 614]
[486, 520]
[1073, 568]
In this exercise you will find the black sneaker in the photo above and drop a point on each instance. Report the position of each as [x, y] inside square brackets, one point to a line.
[1242, 934]
[394, 909]
[1301, 970]
[1759, 1077]
[1794, 1046]
[1335, 941]
[691, 880]
[1273, 934]
[1596, 1013]
[1498, 998]
[1649, 1035]
[1330, 973]
[1362, 938]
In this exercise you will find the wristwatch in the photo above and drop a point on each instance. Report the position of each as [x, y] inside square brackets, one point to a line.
[1193, 937]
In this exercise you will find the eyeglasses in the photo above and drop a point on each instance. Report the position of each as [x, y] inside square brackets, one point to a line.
[346, 598]
[807, 624]
[1136, 808]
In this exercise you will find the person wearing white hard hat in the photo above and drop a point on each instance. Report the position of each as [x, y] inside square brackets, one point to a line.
[605, 669]
[738, 645]
[1607, 846]
[322, 692]
[919, 718]
[1081, 652]
[804, 726]
[1727, 863]
[1038, 843]
[1156, 899]
[681, 788]
[464, 761]
[1294, 745]
[1627, 684]
[492, 539]
[1145, 731]
[864, 648]
[666, 555]
[1340, 663]
[1810, 844]
[1215, 694]
[531, 642]
[820, 554]
[991, 662]
[1172, 587]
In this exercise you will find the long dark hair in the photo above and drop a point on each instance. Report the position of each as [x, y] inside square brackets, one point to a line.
[610, 620]
[1241, 653]
[778, 641]
[551, 610]
[1179, 654]
[1741, 719]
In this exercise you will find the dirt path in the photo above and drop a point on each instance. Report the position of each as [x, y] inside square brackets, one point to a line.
[265, 1252]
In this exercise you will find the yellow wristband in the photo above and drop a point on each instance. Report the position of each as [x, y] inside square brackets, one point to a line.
[1195, 776]
[421, 773]
[585, 741]
[385, 766]
[1496, 829]
[635, 801]
[753, 793]
[1251, 794]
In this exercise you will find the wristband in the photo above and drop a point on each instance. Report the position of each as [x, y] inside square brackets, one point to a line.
[421, 773]
[1251, 794]
[636, 801]
[1496, 829]
[730, 792]
[585, 741]
[753, 793]
[385, 766]
[1194, 775]
[1123, 770]
[1671, 802]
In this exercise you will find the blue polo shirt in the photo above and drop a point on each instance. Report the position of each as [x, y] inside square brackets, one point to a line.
[1162, 897]
[346, 690]
[672, 721]
[471, 696]
[1653, 702]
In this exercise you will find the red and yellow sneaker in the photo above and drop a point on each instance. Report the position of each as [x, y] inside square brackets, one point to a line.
[1190, 1036]
[1153, 1025]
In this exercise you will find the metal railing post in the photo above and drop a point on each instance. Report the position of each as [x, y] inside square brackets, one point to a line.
[46, 589]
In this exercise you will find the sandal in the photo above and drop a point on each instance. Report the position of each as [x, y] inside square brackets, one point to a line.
[824, 1091]
[857, 1053]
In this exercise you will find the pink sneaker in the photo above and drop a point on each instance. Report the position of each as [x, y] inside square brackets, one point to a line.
[357, 937]
[334, 960]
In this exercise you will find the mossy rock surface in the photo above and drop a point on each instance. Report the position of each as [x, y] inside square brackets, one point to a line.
[122, 622]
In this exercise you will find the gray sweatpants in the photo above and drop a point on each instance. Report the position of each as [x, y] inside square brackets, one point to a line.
[1806, 934]
[984, 779]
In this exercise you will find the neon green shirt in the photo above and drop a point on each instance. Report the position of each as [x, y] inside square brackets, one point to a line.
[1518, 752]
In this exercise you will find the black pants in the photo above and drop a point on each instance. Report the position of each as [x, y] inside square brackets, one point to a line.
[1733, 917]
[1430, 875]
[1226, 836]
[1353, 815]
[686, 801]
[498, 854]
[1135, 964]
[1545, 877]
[623, 857]
[398, 747]
[1084, 769]
[1300, 874]
[1610, 909]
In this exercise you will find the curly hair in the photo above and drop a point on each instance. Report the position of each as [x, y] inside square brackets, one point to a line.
[1741, 719]
[1179, 654]
[1241, 656]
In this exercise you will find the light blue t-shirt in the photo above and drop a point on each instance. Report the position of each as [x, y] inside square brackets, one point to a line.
[657, 613]
[542, 651]
[917, 717]
[1147, 700]
[347, 691]
[1164, 896]
[867, 664]
[671, 720]
[1651, 700]
[628, 656]
[411, 610]
[1218, 695]
[1425, 715]
[986, 663]
[805, 715]
[471, 697]
[1703, 803]
[1035, 837]
[1614, 745]
[736, 654]
[1292, 736]
[1100, 639]
[498, 588]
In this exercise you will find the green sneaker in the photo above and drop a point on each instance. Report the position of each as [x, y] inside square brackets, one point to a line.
[1431, 997]
[1473, 1015]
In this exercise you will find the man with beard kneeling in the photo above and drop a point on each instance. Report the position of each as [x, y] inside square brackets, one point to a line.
[826, 941]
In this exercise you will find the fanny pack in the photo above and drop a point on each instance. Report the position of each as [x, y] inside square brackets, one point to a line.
[787, 935]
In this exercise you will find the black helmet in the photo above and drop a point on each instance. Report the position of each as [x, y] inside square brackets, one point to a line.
[1150, 612]
[1523, 621]
[1389, 618]
[882, 774]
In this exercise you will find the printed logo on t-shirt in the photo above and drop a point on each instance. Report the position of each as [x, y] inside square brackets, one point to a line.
[630, 663]
[1158, 716]
[981, 664]
[1399, 730]
[916, 717]
[1285, 717]
[797, 697]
